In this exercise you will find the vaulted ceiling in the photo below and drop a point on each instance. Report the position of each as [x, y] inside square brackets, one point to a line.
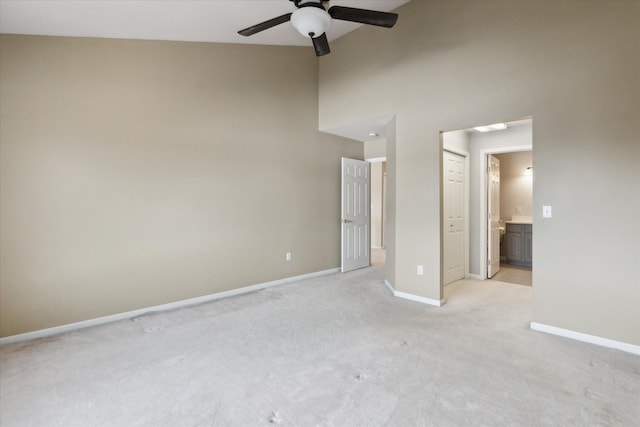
[184, 20]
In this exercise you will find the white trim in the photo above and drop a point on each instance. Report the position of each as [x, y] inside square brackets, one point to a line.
[455, 150]
[483, 198]
[591, 339]
[376, 159]
[163, 307]
[412, 297]
[475, 277]
[417, 298]
[389, 286]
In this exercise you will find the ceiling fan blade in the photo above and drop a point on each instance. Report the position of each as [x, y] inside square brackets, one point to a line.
[321, 45]
[265, 25]
[363, 16]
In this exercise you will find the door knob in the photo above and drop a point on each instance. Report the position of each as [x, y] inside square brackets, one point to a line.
[346, 221]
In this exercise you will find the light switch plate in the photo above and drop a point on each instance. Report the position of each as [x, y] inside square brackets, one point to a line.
[546, 211]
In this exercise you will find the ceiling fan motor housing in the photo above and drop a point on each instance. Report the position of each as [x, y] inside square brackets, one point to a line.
[310, 19]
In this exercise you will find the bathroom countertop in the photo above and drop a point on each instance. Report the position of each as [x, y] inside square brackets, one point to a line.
[520, 219]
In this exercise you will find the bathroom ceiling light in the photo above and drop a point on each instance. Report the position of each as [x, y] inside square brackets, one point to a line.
[489, 128]
[373, 134]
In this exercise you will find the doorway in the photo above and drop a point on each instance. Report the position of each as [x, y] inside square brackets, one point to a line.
[514, 203]
[378, 206]
[514, 136]
[514, 151]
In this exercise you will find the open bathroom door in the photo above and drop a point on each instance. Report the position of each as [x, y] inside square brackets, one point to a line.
[493, 216]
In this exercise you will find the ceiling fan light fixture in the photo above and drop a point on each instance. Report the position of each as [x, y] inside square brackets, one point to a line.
[311, 21]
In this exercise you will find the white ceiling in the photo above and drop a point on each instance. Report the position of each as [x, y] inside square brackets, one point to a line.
[183, 20]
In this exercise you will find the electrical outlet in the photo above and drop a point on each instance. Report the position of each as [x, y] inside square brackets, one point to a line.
[546, 211]
[288, 256]
[420, 270]
[518, 209]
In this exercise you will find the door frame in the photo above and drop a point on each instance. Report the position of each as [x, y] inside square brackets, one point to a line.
[483, 198]
[466, 209]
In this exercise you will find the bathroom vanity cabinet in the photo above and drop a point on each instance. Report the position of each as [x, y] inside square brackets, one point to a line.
[519, 237]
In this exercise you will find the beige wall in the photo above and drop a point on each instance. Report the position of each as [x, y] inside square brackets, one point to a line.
[136, 173]
[376, 204]
[457, 140]
[571, 65]
[375, 149]
[390, 205]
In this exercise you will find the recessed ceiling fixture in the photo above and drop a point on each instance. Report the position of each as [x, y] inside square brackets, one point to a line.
[372, 134]
[312, 19]
[489, 128]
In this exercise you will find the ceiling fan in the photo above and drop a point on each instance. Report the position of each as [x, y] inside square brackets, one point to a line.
[311, 19]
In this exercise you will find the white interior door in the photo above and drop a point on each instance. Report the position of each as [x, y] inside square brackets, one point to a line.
[493, 216]
[355, 214]
[453, 217]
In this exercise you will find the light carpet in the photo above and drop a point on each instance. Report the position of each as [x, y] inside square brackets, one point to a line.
[332, 351]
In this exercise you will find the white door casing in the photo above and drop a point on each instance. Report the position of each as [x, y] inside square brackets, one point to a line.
[493, 216]
[355, 214]
[453, 217]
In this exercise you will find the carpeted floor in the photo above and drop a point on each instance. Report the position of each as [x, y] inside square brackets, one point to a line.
[331, 351]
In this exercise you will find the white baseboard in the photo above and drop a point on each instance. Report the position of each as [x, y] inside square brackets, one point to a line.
[591, 339]
[163, 307]
[475, 276]
[412, 297]
[417, 298]
[389, 286]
